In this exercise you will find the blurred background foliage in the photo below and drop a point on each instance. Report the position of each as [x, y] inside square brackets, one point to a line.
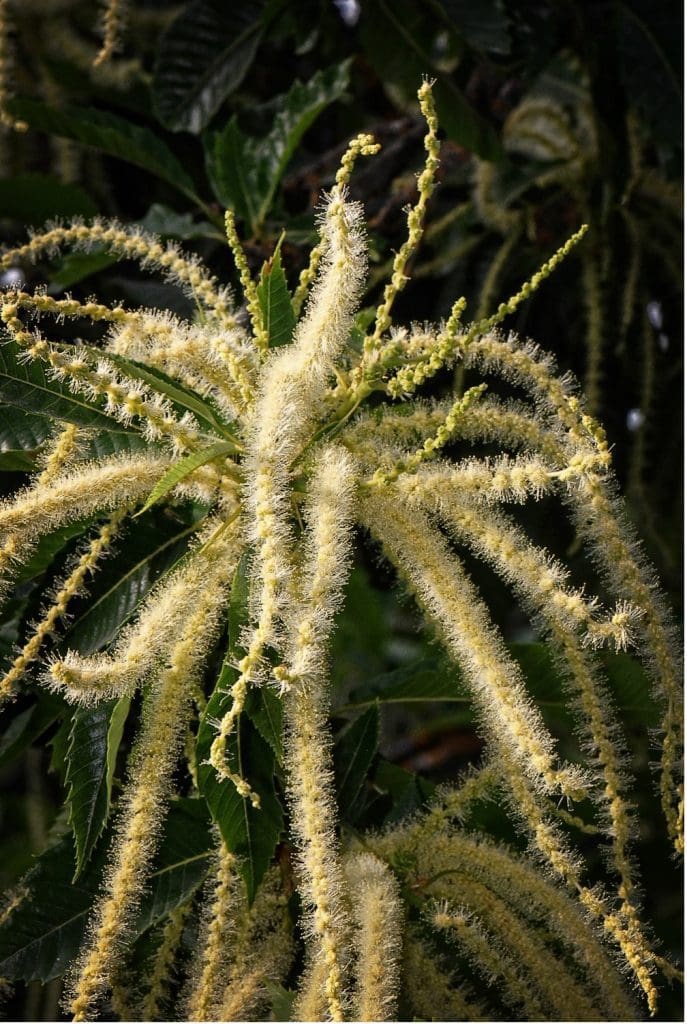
[552, 114]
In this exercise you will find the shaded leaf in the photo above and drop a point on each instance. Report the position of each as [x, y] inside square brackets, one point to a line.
[249, 833]
[484, 26]
[32, 199]
[244, 171]
[398, 40]
[202, 57]
[43, 934]
[160, 220]
[94, 740]
[354, 752]
[266, 711]
[77, 266]
[150, 548]
[275, 301]
[28, 386]
[109, 134]
[29, 725]
[183, 468]
[21, 437]
[181, 864]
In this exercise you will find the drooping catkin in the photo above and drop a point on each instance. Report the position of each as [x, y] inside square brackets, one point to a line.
[377, 937]
[148, 788]
[437, 579]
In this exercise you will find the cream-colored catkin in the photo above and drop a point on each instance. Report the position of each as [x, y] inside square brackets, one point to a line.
[308, 747]
[71, 586]
[294, 380]
[72, 495]
[603, 523]
[561, 612]
[437, 579]
[310, 1002]
[134, 244]
[377, 937]
[432, 994]
[140, 647]
[261, 952]
[152, 1007]
[557, 990]
[148, 788]
[113, 28]
[220, 913]
[62, 452]
[489, 958]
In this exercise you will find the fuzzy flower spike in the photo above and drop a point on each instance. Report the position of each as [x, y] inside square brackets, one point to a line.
[284, 459]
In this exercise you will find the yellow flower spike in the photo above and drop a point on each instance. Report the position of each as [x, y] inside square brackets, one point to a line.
[113, 29]
[69, 589]
[132, 244]
[426, 184]
[161, 972]
[432, 445]
[378, 919]
[250, 291]
[144, 805]
[361, 145]
[220, 913]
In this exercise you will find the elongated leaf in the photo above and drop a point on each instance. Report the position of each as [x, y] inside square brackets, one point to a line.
[28, 387]
[431, 680]
[266, 712]
[29, 725]
[160, 220]
[93, 744]
[249, 833]
[182, 398]
[275, 301]
[354, 751]
[182, 863]
[32, 199]
[245, 172]
[183, 468]
[109, 134]
[203, 56]
[42, 935]
[148, 550]
[21, 436]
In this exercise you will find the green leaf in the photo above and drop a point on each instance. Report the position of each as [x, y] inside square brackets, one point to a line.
[430, 680]
[32, 199]
[160, 220]
[93, 744]
[43, 934]
[109, 134]
[181, 865]
[245, 172]
[21, 437]
[149, 549]
[275, 301]
[202, 57]
[354, 752]
[249, 833]
[28, 386]
[183, 468]
[29, 725]
[49, 547]
[484, 26]
[182, 398]
[266, 711]
[77, 266]
[398, 39]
